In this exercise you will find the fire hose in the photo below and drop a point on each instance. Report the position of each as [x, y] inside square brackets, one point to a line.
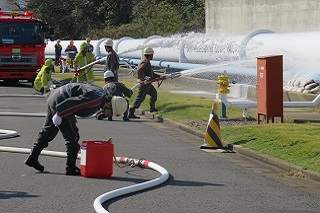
[159, 80]
[118, 160]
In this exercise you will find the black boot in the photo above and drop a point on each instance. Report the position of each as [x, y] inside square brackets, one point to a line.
[131, 113]
[33, 161]
[125, 116]
[72, 154]
[109, 118]
[73, 170]
[153, 110]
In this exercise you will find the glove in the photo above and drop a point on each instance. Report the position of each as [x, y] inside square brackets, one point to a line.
[56, 119]
[147, 78]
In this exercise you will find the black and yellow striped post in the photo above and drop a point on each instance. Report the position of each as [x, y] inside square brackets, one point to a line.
[212, 137]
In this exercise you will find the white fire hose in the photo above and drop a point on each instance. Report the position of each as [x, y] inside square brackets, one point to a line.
[123, 160]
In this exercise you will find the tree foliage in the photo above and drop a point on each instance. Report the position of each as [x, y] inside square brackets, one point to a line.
[108, 18]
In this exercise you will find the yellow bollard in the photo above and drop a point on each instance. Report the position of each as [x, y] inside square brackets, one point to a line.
[212, 136]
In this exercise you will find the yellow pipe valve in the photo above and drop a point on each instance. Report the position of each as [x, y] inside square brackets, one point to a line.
[223, 82]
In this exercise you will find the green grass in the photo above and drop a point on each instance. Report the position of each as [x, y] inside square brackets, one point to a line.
[295, 143]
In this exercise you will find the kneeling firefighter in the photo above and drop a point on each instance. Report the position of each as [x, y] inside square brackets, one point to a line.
[43, 81]
[114, 88]
[64, 103]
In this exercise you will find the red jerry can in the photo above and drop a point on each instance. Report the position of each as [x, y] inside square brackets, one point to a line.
[97, 159]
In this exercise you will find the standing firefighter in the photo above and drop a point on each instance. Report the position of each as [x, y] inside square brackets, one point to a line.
[114, 88]
[43, 82]
[145, 72]
[112, 62]
[83, 58]
[71, 51]
[64, 103]
[57, 52]
[88, 39]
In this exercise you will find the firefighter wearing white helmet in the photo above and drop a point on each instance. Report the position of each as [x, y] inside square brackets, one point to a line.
[43, 81]
[112, 62]
[145, 72]
[64, 104]
[113, 89]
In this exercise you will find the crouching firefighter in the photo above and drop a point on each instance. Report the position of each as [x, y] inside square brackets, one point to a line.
[114, 88]
[64, 103]
[43, 80]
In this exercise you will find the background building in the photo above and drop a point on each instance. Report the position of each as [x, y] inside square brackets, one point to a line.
[246, 16]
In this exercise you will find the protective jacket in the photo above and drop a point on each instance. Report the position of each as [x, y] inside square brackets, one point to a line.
[114, 88]
[87, 75]
[42, 79]
[112, 62]
[145, 70]
[76, 98]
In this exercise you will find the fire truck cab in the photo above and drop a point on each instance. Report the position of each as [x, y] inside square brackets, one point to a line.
[22, 45]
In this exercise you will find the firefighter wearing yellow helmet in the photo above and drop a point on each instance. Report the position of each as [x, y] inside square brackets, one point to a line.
[88, 39]
[83, 58]
[43, 82]
[112, 62]
[145, 72]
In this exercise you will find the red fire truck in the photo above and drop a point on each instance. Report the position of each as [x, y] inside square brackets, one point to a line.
[22, 45]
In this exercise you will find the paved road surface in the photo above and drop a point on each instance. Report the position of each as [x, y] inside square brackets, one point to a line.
[199, 181]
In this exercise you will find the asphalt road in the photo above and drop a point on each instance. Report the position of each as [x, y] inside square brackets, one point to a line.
[199, 181]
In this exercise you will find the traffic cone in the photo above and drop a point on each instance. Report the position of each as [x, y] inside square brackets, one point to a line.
[212, 137]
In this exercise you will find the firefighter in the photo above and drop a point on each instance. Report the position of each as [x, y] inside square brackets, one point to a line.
[114, 88]
[43, 81]
[57, 52]
[83, 58]
[71, 51]
[112, 62]
[88, 39]
[145, 72]
[64, 103]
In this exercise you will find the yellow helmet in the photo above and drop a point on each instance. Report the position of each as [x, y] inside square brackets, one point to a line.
[83, 45]
[108, 43]
[88, 39]
[49, 62]
[148, 51]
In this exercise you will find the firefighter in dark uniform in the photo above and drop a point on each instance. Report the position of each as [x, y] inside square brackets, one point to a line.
[112, 62]
[64, 103]
[115, 89]
[145, 72]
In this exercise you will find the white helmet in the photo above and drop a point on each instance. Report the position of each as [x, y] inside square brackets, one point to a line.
[108, 43]
[119, 105]
[108, 74]
[148, 51]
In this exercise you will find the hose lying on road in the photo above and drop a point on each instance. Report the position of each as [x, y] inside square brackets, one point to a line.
[123, 160]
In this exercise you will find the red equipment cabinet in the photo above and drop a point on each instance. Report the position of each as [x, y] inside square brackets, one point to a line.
[270, 87]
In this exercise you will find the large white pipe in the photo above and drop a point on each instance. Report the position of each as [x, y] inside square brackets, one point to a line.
[300, 50]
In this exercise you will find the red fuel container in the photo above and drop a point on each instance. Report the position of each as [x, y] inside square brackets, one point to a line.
[96, 159]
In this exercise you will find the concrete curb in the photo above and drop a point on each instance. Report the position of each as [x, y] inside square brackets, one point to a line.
[290, 168]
